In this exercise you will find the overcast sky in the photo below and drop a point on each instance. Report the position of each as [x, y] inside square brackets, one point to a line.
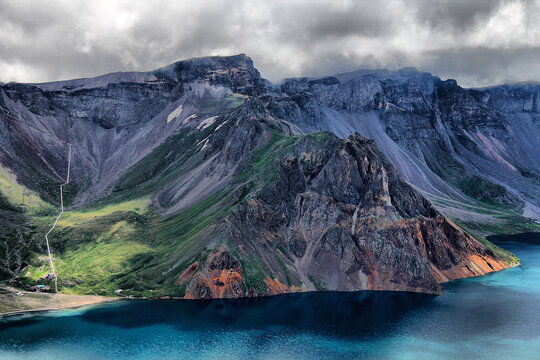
[477, 42]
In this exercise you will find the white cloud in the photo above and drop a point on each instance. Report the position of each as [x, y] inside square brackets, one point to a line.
[52, 40]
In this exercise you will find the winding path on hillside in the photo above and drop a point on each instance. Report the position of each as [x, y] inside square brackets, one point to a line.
[66, 181]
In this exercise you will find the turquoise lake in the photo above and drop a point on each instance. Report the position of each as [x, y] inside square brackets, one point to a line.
[491, 317]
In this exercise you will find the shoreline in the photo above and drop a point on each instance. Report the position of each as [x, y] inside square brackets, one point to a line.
[32, 311]
[78, 301]
[31, 302]
[87, 300]
[96, 299]
[64, 301]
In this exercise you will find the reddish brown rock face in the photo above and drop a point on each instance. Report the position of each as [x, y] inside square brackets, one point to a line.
[221, 278]
[188, 274]
[275, 287]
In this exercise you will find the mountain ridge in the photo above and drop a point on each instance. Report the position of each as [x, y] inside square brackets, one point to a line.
[160, 164]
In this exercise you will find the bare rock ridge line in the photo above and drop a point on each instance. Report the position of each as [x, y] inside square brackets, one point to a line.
[53, 272]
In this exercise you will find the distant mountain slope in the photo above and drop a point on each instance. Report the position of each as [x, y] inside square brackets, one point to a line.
[200, 179]
[478, 147]
[112, 122]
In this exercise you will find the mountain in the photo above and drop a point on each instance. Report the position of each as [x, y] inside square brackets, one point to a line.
[203, 180]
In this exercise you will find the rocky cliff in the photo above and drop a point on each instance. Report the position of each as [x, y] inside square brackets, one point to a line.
[335, 216]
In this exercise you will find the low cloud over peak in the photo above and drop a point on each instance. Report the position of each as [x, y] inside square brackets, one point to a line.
[482, 42]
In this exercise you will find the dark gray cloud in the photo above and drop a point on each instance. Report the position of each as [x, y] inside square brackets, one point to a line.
[456, 15]
[316, 21]
[477, 42]
[482, 65]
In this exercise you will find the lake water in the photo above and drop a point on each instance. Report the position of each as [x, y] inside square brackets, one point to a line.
[492, 317]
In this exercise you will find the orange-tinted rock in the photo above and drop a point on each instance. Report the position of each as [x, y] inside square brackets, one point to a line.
[188, 274]
[227, 284]
[221, 277]
[275, 287]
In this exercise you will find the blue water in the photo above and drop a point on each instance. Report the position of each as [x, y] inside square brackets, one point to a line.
[491, 317]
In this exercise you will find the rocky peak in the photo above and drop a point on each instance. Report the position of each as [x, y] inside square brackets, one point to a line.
[248, 209]
[236, 72]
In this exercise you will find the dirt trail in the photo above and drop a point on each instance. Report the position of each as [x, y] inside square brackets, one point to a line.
[66, 181]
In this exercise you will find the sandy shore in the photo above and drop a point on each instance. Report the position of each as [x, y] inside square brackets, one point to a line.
[31, 301]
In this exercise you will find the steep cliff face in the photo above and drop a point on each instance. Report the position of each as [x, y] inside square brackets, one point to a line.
[200, 180]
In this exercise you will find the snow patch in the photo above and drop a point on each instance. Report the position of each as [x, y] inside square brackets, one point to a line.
[220, 125]
[207, 122]
[205, 144]
[203, 140]
[174, 114]
[192, 116]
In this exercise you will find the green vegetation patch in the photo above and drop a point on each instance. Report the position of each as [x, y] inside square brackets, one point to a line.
[318, 284]
[483, 190]
[176, 242]
[92, 245]
[170, 152]
[264, 167]
[93, 263]
[77, 218]
[253, 275]
[475, 230]
[17, 194]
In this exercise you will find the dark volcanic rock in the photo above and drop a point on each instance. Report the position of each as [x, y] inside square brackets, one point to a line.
[348, 223]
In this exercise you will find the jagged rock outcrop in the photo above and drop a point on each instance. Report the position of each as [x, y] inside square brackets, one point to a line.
[339, 217]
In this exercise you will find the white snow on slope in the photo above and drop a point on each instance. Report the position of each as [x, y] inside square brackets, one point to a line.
[174, 114]
[192, 116]
[206, 122]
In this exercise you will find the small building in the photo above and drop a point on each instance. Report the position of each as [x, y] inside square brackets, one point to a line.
[39, 288]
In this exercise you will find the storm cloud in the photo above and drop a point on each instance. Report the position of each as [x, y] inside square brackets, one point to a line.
[479, 43]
